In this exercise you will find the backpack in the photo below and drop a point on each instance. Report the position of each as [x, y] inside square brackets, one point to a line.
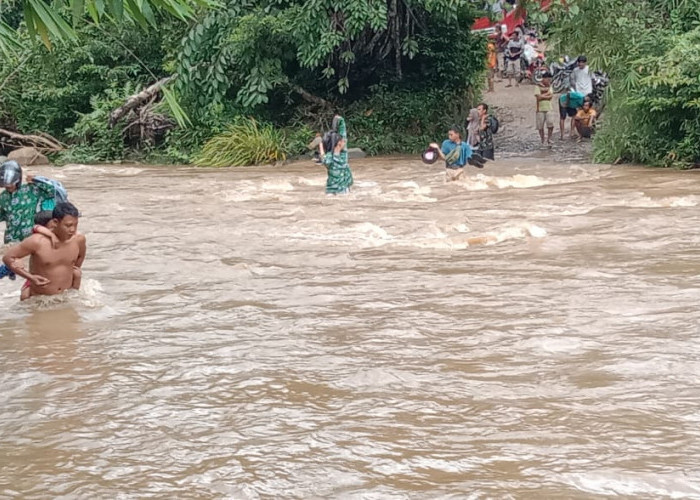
[61, 195]
[493, 124]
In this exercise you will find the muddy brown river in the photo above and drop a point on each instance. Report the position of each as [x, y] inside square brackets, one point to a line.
[532, 331]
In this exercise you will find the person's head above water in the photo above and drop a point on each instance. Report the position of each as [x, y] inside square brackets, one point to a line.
[44, 218]
[332, 140]
[11, 176]
[454, 134]
[65, 216]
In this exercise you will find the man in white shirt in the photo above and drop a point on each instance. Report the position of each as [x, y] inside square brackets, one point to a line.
[581, 78]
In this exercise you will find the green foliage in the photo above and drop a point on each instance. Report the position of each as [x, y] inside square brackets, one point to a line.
[53, 88]
[284, 62]
[661, 114]
[405, 120]
[56, 20]
[94, 141]
[256, 51]
[244, 143]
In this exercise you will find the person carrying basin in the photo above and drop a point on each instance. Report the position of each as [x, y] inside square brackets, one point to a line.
[334, 155]
[456, 153]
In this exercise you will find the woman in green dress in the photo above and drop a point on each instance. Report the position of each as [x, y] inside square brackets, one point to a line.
[334, 152]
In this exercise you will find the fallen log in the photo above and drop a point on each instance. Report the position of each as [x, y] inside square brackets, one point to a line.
[44, 142]
[137, 100]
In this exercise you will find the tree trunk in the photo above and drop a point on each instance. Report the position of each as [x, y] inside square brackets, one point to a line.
[137, 100]
[43, 142]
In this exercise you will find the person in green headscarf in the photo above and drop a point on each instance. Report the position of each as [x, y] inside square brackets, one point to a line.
[334, 154]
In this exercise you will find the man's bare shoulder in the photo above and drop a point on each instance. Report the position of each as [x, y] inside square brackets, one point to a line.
[35, 241]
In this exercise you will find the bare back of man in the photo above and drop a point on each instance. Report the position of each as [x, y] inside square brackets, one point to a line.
[53, 268]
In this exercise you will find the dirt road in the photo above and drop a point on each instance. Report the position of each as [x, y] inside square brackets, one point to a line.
[515, 109]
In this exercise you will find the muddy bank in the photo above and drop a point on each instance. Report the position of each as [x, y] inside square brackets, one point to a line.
[517, 136]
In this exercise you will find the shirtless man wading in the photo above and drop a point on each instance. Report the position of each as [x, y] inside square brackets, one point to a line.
[52, 269]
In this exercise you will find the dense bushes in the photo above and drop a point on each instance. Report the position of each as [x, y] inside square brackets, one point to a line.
[401, 72]
[404, 120]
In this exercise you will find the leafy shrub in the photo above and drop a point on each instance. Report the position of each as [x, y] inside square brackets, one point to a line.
[404, 120]
[244, 143]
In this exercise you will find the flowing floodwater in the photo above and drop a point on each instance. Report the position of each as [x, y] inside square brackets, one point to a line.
[531, 331]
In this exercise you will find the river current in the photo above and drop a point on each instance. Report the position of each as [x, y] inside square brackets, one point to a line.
[531, 331]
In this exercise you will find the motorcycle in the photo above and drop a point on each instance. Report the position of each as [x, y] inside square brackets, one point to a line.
[533, 61]
[561, 74]
[600, 83]
[537, 69]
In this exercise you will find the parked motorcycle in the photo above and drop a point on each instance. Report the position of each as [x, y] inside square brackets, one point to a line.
[561, 74]
[600, 83]
[533, 61]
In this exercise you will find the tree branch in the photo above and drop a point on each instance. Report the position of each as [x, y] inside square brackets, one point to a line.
[137, 100]
[313, 99]
[37, 141]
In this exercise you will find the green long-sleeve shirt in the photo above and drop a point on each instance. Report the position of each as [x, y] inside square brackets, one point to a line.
[18, 209]
[339, 174]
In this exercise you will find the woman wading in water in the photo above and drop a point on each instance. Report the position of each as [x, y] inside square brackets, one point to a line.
[334, 153]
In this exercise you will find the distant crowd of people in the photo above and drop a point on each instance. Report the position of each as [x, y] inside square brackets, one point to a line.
[575, 103]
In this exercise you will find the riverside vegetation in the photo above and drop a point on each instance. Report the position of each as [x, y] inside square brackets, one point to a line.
[257, 78]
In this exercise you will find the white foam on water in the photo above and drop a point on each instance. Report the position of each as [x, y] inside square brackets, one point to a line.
[481, 182]
[89, 296]
[119, 171]
[364, 234]
[248, 190]
[311, 181]
[536, 231]
[403, 197]
[515, 233]
[277, 185]
[460, 228]
[463, 240]
[408, 191]
[236, 195]
[644, 201]
[631, 484]
[365, 184]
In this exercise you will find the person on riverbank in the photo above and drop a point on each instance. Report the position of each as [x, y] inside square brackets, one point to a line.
[52, 270]
[585, 121]
[501, 45]
[492, 64]
[569, 104]
[514, 51]
[456, 153]
[314, 146]
[334, 154]
[543, 108]
[581, 80]
[486, 148]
